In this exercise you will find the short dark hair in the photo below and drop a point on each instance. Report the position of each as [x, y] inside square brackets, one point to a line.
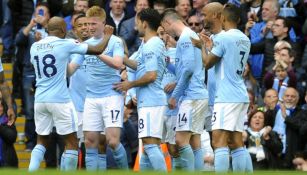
[291, 52]
[170, 12]
[232, 13]
[80, 15]
[151, 16]
[286, 22]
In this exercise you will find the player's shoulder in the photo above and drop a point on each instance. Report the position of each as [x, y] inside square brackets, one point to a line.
[153, 43]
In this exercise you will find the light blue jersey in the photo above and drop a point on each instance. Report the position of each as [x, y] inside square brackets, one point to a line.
[232, 47]
[77, 84]
[152, 58]
[102, 77]
[189, 69]
[131, 77]
[49, 57]
[169, 77]
[211, 85]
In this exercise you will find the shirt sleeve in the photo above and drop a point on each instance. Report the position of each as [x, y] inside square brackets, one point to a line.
[77, 58]
[188, 65]
[118, 48]
[218, 47]
[151, 59]
[77, 47]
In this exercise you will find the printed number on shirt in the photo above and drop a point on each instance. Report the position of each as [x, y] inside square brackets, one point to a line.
[48, 68]
[239, 72]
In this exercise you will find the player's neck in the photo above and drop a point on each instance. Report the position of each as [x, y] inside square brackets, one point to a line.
[229, 26]
[179, 27]
[149, 35]
[217, 28]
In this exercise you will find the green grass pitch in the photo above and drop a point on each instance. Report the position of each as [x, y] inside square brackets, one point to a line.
[122, 172]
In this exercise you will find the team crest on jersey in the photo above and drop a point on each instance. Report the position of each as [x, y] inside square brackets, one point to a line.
[77, 42]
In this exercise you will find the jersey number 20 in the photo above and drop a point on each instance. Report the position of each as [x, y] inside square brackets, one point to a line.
[47, 65]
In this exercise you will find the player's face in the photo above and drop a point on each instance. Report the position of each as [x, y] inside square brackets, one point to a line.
[168, 27]
[257, 121]
[96, 26]
[140, 27]
[81, 28]
[207, 19]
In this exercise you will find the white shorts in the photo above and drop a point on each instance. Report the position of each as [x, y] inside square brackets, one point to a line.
[61, 115]
[229, 116]
[151, 121]
[103, 112]
[169, 130]
[191, 116]
[80, 119]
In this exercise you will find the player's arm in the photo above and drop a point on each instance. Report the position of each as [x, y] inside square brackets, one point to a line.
[147, 78]
[71, 68]
[74, 64]
[116, 61]
[209, 58]
[100, 47]
[187, 69]
[6, 95]
[130, 63]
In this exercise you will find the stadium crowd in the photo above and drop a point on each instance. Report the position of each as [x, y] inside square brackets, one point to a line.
[275, 76]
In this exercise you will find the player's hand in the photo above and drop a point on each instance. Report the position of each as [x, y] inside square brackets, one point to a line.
[127, 112]
[134, 100]
[197, 42]
[170, 41]
[123, 86]
[172, 103]
[206, 40]
[108, 30]
[11, 116]
[169, 87]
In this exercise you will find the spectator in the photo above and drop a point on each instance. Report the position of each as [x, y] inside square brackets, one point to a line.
[79, 6]
[6, 32]
[300, 161]
[128, 29]
[257, 31]
[262, 143]
[280, 30]
[24, 40]
[160, 5]
[288, 120]
[251, 11]
[250, 81]
[195, 23]
[8, 134]
[280, 80]
[117, 15]
[270, 106]
[198, 6]
[183, 7]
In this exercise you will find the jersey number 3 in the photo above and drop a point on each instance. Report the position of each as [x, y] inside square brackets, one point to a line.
[48, 62]
[240, 71]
